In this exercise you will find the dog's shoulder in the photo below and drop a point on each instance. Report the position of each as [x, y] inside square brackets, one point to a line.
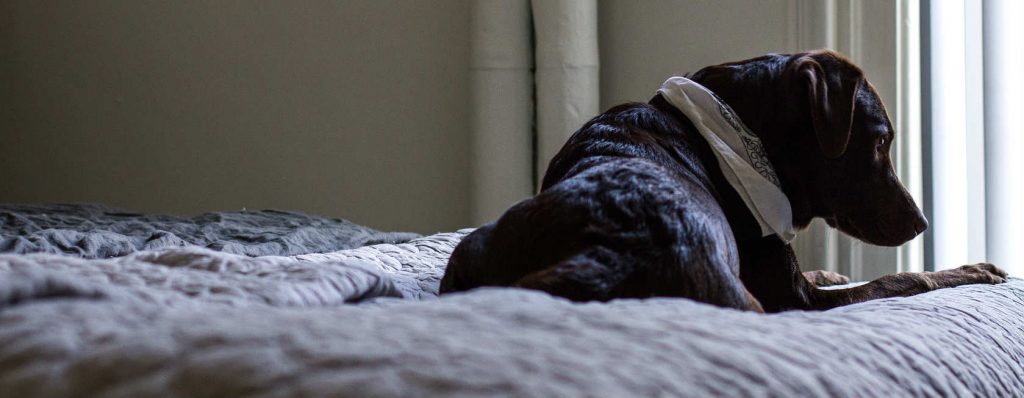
[630, 130]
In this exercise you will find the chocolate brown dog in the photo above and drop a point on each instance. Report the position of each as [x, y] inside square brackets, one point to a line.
[636, 205]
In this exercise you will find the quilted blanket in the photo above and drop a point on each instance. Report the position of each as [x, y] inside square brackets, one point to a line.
[191, 321]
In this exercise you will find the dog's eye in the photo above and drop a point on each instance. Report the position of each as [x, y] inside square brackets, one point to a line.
[881, 143]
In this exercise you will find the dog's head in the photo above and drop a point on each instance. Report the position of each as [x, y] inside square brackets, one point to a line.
[828, 134]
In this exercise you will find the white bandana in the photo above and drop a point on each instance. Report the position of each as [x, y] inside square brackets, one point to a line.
[739, 152]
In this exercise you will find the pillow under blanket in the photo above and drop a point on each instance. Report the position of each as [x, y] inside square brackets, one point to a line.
[97, 231]
[183, 275]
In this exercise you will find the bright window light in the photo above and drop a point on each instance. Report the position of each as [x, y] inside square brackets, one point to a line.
[1004, 132]
[949, 221]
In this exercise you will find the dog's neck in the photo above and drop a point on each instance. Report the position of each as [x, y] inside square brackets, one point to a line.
[744, 225]
[759, 99]
[740, 153]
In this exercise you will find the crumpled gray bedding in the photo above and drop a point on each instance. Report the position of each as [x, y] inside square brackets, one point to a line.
[191, 322]
[97, 231]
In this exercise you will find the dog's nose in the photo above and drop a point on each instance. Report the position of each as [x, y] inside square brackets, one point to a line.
[920, 224]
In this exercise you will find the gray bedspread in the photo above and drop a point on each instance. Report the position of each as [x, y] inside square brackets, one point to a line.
[192, 322]
[96, 231]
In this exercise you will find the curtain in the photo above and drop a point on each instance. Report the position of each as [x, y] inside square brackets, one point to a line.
[534, 82]
[568, 83]
[501, 115]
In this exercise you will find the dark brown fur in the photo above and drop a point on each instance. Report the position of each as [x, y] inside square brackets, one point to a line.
[635, 204]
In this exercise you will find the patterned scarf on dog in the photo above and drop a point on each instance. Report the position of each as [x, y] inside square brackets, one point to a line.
[739, 153]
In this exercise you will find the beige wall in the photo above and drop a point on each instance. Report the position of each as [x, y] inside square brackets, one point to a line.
[644, 42]
[354, 109]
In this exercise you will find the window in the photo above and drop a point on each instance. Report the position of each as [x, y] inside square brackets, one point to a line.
[974, 121]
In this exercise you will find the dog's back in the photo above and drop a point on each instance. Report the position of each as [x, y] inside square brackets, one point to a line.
[626, 210]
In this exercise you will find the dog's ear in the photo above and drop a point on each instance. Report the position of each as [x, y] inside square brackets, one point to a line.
[831, 85]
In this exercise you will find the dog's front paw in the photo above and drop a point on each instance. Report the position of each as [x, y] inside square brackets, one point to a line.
[971, 274]
[826, 278]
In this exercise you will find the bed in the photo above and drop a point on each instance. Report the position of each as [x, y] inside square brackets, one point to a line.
[96, 301]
